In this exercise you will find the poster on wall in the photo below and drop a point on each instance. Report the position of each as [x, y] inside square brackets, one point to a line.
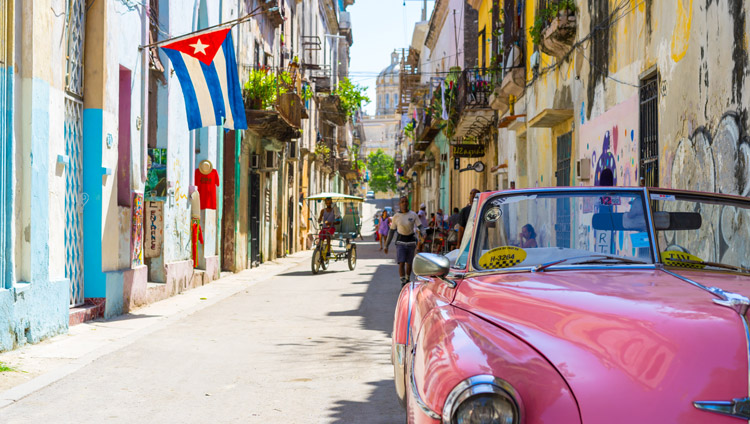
[154, 228]
[156, 180]
[136, 240]
[611, 141]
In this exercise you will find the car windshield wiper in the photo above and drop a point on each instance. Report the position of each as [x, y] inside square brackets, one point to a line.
[592, 259]
[713, 264]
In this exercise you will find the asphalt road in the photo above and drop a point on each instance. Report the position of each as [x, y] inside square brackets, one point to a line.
[295, 348]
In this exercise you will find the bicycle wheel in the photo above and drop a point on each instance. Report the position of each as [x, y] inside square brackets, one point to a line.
[315, 265]
[352, 258]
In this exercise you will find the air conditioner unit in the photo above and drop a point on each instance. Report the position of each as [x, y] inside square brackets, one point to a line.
[254, 161]
[271, 160]
[292, 151]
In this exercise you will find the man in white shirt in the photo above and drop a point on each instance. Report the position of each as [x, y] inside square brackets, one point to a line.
[407, 226]
[423, 214]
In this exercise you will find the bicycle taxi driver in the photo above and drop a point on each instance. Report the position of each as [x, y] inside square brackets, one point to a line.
[329, 216]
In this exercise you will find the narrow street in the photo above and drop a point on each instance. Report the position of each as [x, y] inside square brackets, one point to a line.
[295, 348]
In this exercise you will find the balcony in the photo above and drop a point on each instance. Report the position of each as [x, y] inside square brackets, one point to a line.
[273, 11]
[291, 109]
[270, 124]
[559, 30]
[426, 131]
[514, 80]
[474, 90]
[330, 110]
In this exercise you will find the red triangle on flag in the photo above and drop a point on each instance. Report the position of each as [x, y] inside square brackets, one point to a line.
[203, 46]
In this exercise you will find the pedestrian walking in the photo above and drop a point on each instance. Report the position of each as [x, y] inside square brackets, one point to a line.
[423, 215]
[408, 228]
[383, 228]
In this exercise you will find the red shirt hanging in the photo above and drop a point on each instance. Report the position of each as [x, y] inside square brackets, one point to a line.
[207, 188]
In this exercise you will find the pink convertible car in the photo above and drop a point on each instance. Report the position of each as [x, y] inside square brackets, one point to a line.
[582, 305]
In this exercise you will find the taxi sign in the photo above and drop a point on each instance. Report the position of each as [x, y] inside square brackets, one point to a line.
[681, 259]
[502, 257]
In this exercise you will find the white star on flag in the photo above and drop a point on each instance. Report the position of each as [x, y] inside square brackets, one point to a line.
[199, 47]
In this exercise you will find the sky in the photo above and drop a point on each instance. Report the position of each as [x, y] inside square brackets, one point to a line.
[379, 27]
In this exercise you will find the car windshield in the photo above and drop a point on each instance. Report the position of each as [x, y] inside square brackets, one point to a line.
[566, 228]
[698, 231]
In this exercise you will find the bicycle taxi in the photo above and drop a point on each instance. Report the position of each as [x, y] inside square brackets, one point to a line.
[335, 240]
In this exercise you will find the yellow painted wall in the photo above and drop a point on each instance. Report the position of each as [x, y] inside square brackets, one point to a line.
[484, 22]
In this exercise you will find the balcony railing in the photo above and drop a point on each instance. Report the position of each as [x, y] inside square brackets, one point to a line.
[475, 88]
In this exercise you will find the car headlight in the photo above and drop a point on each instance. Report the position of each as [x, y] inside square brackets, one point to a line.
[482, 399]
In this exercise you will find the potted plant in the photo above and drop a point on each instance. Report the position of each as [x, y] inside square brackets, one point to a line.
[554, 28]
[262, 88]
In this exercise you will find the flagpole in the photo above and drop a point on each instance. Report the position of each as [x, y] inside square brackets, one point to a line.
[233, 22]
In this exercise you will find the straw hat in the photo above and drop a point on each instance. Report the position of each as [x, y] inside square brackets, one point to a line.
[205, 167]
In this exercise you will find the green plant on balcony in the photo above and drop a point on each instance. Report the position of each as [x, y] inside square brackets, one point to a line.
[263, 86]
[352, 96]
[409, 130]
[546, 15]
[322, 151]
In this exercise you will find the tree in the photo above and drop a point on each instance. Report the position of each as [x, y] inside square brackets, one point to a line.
[382, 171]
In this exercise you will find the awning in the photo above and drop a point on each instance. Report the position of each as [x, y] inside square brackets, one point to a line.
[336, 197]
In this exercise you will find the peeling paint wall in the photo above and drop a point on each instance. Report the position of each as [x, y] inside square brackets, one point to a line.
[699, 53]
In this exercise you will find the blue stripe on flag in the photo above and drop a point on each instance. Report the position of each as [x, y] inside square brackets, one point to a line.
[191, 100]
[233, 85]
[214, 87]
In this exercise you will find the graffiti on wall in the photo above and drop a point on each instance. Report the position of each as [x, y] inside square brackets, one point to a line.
[722, 155]
[723, 158]
[611, 142]
[136, 256]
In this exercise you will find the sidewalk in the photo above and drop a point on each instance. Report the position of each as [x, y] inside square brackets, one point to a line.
[39, 365]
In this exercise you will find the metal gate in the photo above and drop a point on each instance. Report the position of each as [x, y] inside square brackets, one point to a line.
[254, 209]
[75, 199]
[649, 133]
[562, 223]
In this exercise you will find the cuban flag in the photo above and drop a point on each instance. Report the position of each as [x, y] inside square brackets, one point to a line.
[207, 70]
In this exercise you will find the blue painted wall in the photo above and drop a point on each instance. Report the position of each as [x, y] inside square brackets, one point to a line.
[94, 280]
[33, 311]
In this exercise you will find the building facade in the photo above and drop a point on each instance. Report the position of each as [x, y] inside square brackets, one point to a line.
[102, 179]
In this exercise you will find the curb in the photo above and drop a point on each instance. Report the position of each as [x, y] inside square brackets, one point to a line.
[181, 305]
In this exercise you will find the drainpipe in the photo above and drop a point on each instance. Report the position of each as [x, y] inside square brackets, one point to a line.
[144, 94]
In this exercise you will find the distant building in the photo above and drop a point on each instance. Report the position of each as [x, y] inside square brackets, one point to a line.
[387, 87]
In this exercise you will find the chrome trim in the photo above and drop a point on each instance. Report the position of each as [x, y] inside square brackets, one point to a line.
[652, 229]
[415, 391]
[737, 408]
[399, 373]
[480, 384]
[736, 302]
[431, 265]
[530, 269]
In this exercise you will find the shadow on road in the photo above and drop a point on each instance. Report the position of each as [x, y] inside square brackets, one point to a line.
[372, 410]
[379, 300]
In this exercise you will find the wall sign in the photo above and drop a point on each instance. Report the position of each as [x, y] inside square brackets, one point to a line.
[468, 150]
[154, 229]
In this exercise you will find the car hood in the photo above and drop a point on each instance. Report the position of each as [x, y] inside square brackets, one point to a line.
[634, 345]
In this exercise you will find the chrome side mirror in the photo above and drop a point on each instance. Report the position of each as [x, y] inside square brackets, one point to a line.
[431, 265]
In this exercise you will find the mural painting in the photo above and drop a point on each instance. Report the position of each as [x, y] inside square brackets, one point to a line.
[611, 141]
[136, 256]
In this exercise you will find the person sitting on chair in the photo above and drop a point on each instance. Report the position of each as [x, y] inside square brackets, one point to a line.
[527, 236]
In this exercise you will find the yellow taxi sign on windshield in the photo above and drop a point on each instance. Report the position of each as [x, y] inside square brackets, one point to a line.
[502, 257]
[681, 259]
